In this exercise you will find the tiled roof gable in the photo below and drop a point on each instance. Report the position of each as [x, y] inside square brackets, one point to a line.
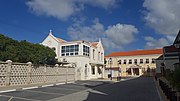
[94, 44]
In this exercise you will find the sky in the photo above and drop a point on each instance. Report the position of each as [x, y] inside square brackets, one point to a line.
[122, 25]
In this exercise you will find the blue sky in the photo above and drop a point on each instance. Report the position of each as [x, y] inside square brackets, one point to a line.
[122, 25]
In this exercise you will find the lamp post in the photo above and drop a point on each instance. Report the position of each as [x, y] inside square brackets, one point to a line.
[110, 62]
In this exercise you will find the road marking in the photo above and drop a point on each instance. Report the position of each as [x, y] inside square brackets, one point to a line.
[20, 98]
[60, 83]
[30, 88]
[45, 92]
[10, 99]
[7, 91]
[48, 85]
[71, 82]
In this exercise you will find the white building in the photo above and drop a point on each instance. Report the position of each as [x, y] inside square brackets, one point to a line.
[88, 56]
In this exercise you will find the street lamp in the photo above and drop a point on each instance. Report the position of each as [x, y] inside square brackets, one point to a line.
[110, 62]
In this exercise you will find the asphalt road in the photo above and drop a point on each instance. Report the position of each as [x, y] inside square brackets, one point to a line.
[51, 92]
[138, 89]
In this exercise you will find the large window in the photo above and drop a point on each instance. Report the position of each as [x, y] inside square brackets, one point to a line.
[147, 60]
[135, 61]
[130, 61]
[119, 61]
[141, 61]
[153, 60]
[69, 50]
[85, 50]
[124, 62]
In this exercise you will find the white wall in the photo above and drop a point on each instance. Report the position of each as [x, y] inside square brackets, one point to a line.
[79, 59]
[158, 66]
[52, 43]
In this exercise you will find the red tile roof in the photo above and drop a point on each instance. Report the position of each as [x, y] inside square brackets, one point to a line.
[60, 40]
[94, 44]
[136, 52]
[170, 49]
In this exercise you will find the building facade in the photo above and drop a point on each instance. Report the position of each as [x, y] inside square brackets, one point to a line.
[170, 58]
[88, 57]
[132, 63]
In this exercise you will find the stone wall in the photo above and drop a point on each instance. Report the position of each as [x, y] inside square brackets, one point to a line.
[13, 74]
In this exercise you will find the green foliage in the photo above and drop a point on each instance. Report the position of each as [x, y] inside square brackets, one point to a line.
[174, 78]
[24, 52]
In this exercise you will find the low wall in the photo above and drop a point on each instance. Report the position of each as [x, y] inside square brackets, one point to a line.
[13, 74]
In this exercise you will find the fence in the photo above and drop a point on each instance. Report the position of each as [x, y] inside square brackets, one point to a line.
[168, 91]
[13, 74]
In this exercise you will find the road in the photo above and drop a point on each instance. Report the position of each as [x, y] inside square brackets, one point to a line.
[138, 89]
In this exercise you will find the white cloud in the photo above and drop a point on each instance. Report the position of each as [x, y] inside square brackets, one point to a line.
[121, 33]
[88, 33]
[63, 9]
[153, 43]
[60, 9]
[163, 15]
[113, 37]
[103, 3]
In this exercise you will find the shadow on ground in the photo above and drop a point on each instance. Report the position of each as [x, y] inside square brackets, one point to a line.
[139, 89]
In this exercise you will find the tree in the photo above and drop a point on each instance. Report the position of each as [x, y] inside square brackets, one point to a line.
[24, 51]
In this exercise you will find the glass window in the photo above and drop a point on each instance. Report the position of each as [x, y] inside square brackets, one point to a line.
[85, 50]
[119, 61]
[63, 47]
[141, 61]
[130, 61]
[124, 62]
[153, 60]
[69, 50]
[147, 60]
[135, 61]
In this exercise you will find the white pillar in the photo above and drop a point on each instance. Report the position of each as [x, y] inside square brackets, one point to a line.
[132, 72]
[140, 71]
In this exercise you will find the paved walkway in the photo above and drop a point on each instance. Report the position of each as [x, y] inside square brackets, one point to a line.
[140, 89]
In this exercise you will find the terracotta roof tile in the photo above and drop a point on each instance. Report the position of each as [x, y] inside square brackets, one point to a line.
[94, 44]
[136, 52]
[60, 40]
